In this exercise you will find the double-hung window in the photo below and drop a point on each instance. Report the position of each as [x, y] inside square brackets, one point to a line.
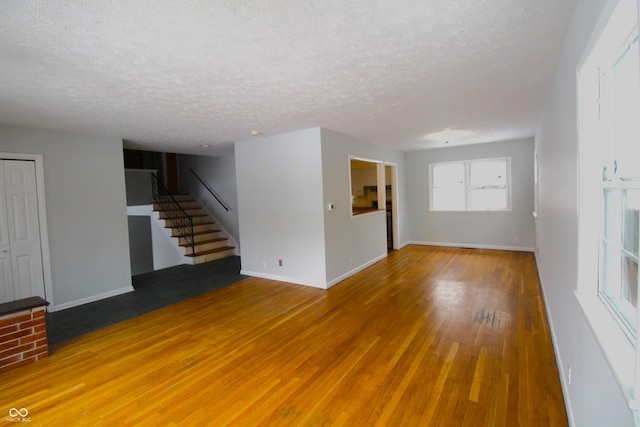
[620, 121]
[472, 185]
[609, 202]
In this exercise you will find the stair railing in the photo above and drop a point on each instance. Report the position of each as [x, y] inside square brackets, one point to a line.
[212, 191]
[179, 218]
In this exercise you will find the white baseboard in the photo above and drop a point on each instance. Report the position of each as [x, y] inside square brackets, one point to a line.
[319, 286]
[93, 298]
[287, 279]
[402, 245]
[474, 246]
[559, 363]
[356, 270]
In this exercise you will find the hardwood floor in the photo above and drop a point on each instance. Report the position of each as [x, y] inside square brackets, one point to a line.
[428, 336]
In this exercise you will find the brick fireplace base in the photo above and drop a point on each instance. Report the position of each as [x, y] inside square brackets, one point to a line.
[23, 332]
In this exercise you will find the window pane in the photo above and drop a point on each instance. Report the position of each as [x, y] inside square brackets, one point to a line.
[488, 173]
[448, 175]
[619, 282]
[630, 282]
[627, 113]
[631, 220]
[488, 199]
[612, 214]
[448, 199]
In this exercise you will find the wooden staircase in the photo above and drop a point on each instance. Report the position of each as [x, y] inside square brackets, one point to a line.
[210, 244]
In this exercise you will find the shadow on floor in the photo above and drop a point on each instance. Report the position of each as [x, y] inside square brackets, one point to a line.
[153, 290]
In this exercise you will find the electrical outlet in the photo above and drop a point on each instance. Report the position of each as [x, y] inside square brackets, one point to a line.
[279, 263]
[264, 264]
[569, 375]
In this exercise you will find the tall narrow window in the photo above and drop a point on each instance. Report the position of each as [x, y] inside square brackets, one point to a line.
[619, 101]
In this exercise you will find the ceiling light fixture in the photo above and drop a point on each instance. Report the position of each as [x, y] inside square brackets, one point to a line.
[204, 145]
[256, 133]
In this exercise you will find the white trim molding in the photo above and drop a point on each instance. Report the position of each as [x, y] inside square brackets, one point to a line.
[475, 246]
[94, 298]
[42, 217]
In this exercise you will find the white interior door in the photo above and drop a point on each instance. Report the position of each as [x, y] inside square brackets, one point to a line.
[6, 277]
[20, 251]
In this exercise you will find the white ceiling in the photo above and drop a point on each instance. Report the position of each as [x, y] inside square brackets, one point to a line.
[171, 75]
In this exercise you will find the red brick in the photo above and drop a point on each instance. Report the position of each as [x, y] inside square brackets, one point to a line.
[33, 337]
[7, 329]
[9, 344]
[34, 353]
[40, 328]
[15, 335]
[42, 355]
[15, 319]
[20, 349]
[38, 314]
[10, 360]
[42, 343]
[30, 323]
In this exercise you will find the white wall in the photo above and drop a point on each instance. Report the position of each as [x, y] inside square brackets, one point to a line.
[86, 211]
[220, 174]
[509, 230]
[593, 398]
[280, 207]
[352, 242]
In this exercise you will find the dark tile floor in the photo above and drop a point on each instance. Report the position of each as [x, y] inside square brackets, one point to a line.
[153, 290]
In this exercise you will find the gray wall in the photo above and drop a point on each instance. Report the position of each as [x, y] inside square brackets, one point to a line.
[86, 211]
[593, 397]
[140, 244]
[220, 174]
[285, 184]
[354, 241]
[514, 229]
[280, 207]
[139, 185]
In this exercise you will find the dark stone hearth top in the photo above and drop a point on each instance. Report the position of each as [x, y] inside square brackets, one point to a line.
[21, 305]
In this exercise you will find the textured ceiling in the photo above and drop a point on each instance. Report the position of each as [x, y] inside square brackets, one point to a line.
[171, 75]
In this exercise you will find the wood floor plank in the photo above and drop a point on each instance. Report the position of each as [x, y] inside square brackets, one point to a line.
[427, 336]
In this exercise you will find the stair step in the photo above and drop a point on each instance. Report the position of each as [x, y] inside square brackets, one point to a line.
[197, 219]
[212, 255]
[207, 245]
[210, 244]
[191, 212]
[201, 236]
[179, 197]
[184, 204]
[197, 228]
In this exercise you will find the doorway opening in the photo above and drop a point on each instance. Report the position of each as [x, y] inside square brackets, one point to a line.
[391, 203]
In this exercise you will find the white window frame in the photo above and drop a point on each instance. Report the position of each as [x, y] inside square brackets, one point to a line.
[620, 351]
[468, 186]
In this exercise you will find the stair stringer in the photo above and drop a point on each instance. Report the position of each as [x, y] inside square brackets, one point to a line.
[174, 240]
[225, 233]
